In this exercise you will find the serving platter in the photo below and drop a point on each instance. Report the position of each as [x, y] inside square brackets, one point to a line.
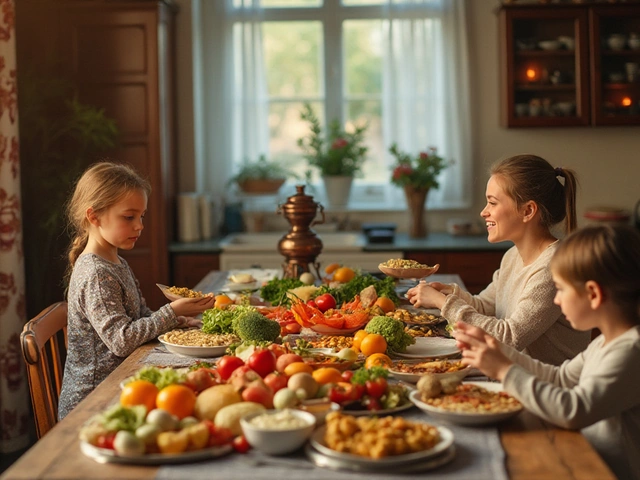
[408, 272]
[431, 463]
[384, 411]
[466, 418]
[240, 287]
[190, 351]
[431, 347]
[104, 455]
[317, 442]
[414, 376]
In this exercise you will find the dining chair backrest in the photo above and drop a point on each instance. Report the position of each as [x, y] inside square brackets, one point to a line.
[44, 348]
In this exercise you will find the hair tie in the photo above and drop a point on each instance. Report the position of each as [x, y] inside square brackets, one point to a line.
[559, 172]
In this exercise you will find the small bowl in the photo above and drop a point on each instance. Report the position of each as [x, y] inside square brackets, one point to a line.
[565, 108]
[567, 42]
[278, 441]
[319, 408]
[549, 45]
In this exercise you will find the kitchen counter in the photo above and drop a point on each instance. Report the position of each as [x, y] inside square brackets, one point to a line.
[435, 241]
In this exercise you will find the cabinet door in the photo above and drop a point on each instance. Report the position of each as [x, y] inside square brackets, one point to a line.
[189, 269]
[544, 62]
[615, 79]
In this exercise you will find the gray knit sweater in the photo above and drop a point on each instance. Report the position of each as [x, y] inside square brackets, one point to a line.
[517, 308]
[107, 320]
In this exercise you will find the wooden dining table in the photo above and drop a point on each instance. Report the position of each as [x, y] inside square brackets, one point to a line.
[534, 449]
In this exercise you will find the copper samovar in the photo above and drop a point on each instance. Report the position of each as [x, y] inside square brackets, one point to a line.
[301, 246]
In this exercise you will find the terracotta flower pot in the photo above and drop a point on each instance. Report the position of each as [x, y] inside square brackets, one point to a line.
[416, 198]
[264, 186]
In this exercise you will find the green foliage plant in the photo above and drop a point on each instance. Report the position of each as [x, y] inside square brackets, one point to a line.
[261, 169]
[336, 153]
[419, 171]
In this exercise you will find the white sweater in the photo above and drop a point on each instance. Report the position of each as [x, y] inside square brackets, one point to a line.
[517, 308]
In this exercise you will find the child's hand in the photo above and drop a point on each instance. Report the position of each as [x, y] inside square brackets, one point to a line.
[441, 287]
[481, 351]
[190, 307]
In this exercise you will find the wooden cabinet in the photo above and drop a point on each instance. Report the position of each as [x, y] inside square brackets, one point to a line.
[559, 67]
[119, 56]
[189, 268]
[474, 267]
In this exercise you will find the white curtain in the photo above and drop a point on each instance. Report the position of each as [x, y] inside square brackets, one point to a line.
[14, 398]
[426, 92]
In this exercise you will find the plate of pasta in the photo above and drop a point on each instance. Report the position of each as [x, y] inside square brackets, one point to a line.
[196, 343]
[472, 403]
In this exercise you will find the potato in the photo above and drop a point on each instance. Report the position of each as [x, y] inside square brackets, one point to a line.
[212, 399]
[230, 415]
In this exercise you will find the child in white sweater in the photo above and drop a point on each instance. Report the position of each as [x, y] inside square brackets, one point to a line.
[597, 275]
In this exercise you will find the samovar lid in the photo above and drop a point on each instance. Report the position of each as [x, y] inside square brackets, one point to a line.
[300, 199]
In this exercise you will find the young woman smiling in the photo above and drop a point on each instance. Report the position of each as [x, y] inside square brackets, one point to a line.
[525, 199]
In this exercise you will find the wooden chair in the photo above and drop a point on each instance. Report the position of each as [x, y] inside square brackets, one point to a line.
[43, 350]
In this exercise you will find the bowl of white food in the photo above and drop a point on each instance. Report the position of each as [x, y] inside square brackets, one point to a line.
[278, 432]
[549, 45]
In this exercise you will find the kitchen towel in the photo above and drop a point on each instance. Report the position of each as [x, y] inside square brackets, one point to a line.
[189, 217]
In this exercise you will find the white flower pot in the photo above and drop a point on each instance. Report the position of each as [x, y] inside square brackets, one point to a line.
[337, 190]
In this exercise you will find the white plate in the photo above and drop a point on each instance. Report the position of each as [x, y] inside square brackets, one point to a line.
[446, 440]
[371, 413]
[239, 287]
[414, 377]
[465, 418]
[198, 352]
[104, 455]
[430, 347]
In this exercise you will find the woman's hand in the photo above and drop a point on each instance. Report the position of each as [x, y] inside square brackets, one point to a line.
[425, 296]
[190, 307]
[481, 351]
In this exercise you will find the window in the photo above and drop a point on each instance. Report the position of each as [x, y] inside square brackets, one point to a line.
[398, 65]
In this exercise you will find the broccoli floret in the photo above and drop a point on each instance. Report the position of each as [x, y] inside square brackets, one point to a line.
[393, 332]
[253, 326]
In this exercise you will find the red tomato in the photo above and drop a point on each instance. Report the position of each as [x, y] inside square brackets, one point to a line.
[262, 361]
[325, 302]
[342, 393]
[347, 375]
[276, 380]
[227, 364]
[312, 303]
[240, 444]
[376, 388]
[372, 403]
[218, 435]
[106, 440]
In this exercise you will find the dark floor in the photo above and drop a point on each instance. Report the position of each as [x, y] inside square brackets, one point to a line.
[7, 459]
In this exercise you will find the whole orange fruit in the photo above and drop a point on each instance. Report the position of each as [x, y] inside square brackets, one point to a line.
[139, 392]
[357, 338]
[343, 275]
[297, 367]
[332, 267]
[177, 399]
[378, 360]
[373, 343]
[386, 304]
[222, 301]
[327, 375]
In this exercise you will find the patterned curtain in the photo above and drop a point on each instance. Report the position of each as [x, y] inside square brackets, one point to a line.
[14, 398]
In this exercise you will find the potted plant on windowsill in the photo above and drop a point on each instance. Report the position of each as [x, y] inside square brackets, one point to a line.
[338, 155]
[417, 175]
[261, 176]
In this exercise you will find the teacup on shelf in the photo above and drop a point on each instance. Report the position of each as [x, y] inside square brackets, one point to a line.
[567, 42]
[549, 44]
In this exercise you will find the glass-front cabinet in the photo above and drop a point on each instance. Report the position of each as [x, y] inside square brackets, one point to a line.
[570, 65]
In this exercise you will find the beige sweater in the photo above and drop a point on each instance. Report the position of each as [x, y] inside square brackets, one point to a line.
[598, 392]
[517, 308]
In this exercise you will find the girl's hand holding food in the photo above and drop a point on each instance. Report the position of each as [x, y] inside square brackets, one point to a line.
[425, 296]
[481, 351]
[190, 307]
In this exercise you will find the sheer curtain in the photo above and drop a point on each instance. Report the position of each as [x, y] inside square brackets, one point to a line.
[426, 92]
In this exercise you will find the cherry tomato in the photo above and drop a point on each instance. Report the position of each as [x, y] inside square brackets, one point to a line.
[325, 302]
[227, 364]
[218, 435]
[376, 388]
[347, 375]
[240, 444]
[312, 303]
[372, 403]
[106, 440]
[342, 393]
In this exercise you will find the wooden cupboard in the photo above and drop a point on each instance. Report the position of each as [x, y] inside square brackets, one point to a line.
[561, 65]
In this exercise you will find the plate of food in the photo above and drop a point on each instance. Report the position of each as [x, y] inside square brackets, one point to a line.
[320, 360]
[175, 293]
[403, 268]
[431, 347]
[441, 369]
[411, 315]
[240, 282]
[427, 440]
[472, 403]
[106, 455]
[196, 343]
[327, 330]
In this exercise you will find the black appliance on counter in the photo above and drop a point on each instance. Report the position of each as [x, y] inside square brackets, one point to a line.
[379, 232]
